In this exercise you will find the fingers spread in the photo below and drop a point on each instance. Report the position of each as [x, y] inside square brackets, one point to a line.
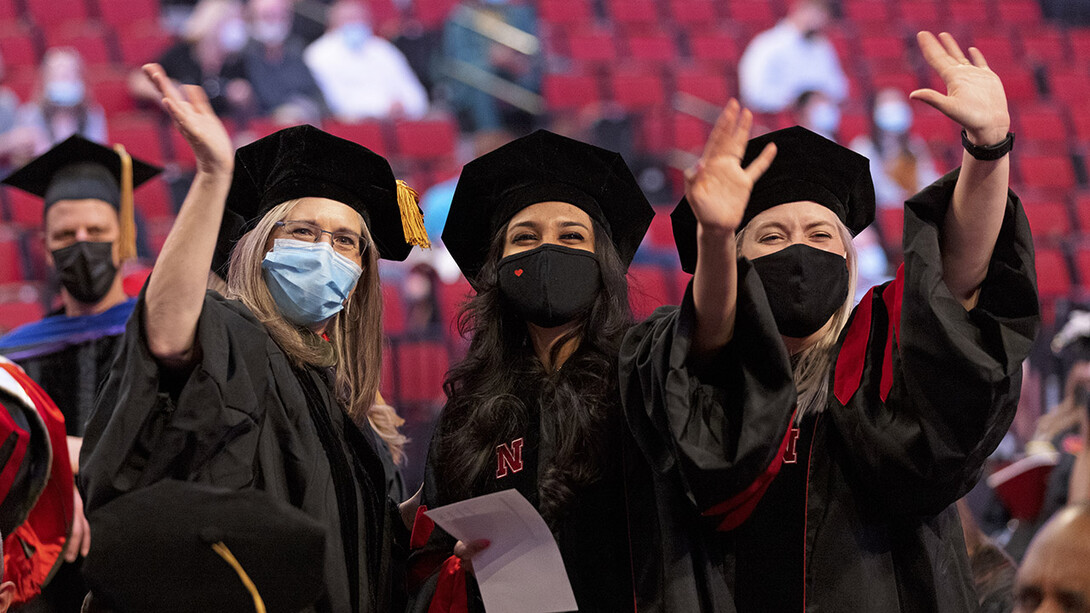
[929, 96]
[952, 48]
[759, 165]
[977, 57]
[933, 51]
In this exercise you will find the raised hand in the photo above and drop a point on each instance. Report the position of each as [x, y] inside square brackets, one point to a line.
[974, 94]
[192, 113]
[717, 187]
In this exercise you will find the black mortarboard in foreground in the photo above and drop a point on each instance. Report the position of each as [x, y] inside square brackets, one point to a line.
[180, 546]
[807, 167]
[78, 169]
[303, 161]
[543, 167]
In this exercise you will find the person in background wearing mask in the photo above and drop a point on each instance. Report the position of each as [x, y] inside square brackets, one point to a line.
[269, 76]
[362, 75]
[273, 385]
[89, 233]
[818, 113]
[1054, 577]
[63, 106]
[16, 142]
[212, 36]
[900, 162]
[794, 57]
[900, 399]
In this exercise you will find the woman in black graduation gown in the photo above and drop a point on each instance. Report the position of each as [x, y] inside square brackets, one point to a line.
[900, 399]
[545, 228]
[268, 387]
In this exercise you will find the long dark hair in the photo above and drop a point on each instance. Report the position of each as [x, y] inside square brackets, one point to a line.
[487, 392]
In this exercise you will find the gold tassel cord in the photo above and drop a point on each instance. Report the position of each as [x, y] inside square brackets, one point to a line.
[412, 218]
[225, 553]
[127, 238]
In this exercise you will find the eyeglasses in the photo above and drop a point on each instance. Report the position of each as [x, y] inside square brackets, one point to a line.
[344, 241]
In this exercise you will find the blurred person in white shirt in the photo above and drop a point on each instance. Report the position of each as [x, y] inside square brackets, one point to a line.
[361, 74]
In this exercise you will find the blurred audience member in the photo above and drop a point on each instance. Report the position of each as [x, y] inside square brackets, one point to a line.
[269, 76]
[421, 293]
[213, 34]
[41, 514]
[475, 67]
[817, 112]
[1054, 575]
[361, 74]
[794, 57]
[63, 106]
[16, 142]
[900, 162]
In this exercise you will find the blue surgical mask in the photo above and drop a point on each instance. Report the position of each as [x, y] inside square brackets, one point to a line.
[308, 281]
[825, 119]
[233, 35]
[355, 35]
[64, 92]
[894, 117]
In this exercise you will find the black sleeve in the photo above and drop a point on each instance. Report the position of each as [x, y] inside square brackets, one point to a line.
[925, 390]
[716, 427]
[202, 426]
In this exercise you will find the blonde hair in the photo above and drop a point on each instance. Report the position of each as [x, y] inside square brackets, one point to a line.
[813, 365]
[355, 332]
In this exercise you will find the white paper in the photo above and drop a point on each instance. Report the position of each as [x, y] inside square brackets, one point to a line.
[521, 569]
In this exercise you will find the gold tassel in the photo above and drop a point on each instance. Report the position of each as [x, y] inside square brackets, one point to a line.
[127, 240]
[225, 553]
[412, 218]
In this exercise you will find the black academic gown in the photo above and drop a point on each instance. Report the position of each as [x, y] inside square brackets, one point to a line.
[592, 536]
[243, 417]
[921, 393]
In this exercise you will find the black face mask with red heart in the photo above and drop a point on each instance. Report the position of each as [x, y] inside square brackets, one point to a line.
[550, 285]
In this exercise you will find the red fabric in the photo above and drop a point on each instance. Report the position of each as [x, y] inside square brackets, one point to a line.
[45, 530]
[850, 360]
[11, 467]
[892, 298]
[422, 527]
[736, 509]
[450, 593]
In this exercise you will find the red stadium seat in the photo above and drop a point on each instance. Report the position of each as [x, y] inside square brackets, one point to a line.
[1019, 84]
[568, 92]
[592, 45]
[653, 47]
[637, 89]
[718, 47]
[660, 235]
[998, 49]
[18, 47]
[1045, 171]
[17, 313]
[970, 13]
[1079, 38]
[693, 13]
[432, 13]
[50, 14]
[565, 12]
[891, 225]
[23, 209]
[1080, 122]
[1082, 213]
[367, 133]
[113, 94]
[1041, 124]
[919, 14]
[1020, 13]
[634, 12]
[1048, 219]
[429, 139]
[888, 47]
[853, 123]
[1072, 87]
[11, 257]
[1082, 266]
[153, 200]
[689, 133]
[709, 85]
[119, 14]
[419, 368]
[142, 136]
[1045, 45]
[8, 9]
[867, 12]
[1053, 276]
[752, 16]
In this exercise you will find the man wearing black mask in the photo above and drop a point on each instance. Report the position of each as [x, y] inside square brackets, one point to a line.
[88, 232]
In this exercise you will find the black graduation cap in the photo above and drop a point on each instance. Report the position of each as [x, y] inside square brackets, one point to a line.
[543, 167]
[303, 161]
[807, 166]
[181, 546]
[78, 169]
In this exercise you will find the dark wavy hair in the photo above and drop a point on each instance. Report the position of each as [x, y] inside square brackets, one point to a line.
[488, 391]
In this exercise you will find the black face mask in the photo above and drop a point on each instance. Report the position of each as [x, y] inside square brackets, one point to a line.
[86, 269]
[805, 286]
[551, 284]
